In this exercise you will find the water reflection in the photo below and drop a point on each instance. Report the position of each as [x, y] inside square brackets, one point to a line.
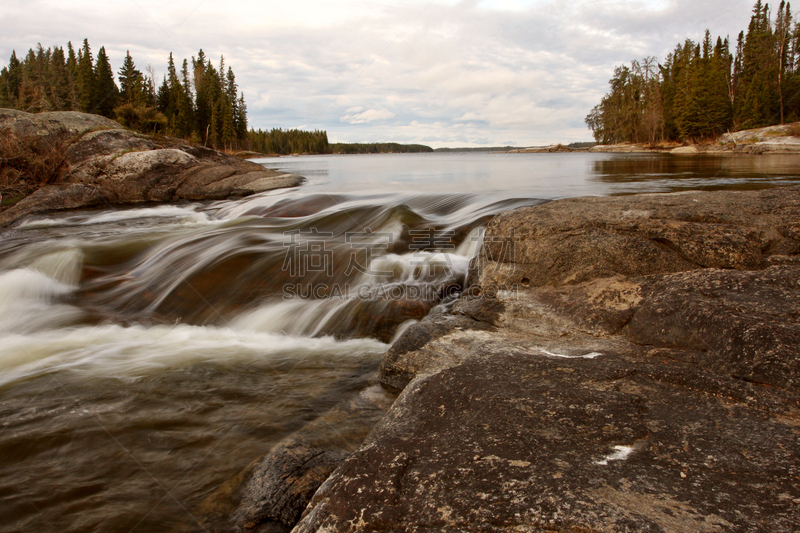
[546, 176]
[634, 173]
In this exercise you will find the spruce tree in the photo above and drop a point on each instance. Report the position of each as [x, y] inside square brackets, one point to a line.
[130, 82]
[14, 78]
[106, 91]
[72, 77]
[86, 80]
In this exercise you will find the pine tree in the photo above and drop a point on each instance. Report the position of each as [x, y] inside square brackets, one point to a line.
[49, 79]
[14, 78]
[783, 25]
[106, 91]
[241, 120]
[86, 80]
[130, 82]
[72, 78]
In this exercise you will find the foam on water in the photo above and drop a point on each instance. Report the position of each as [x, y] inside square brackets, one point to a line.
[187, 214]
[63, 266]
[28, 302]
[132, 352]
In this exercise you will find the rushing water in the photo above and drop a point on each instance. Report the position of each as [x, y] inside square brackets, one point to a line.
[149, 354]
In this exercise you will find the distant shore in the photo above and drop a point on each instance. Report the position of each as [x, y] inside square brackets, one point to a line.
[780, 139]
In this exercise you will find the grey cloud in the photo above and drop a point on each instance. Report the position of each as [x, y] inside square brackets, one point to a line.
[460, 73]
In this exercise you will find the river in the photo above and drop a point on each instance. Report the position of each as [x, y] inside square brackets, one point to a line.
[148, 354]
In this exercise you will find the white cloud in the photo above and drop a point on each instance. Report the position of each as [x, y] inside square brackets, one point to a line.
[450, 72]
[369, 115]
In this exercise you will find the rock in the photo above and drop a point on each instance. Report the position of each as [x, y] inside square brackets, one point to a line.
[553, 148]
[769, 133]
[745, 324]
[523, 442]
[271, 494]
[54, 198]
[622, 148]
[579, 239]
[651, 386]
[118, 166]
[282, 485]
[413, 353]
[57, 124]
[685, 150]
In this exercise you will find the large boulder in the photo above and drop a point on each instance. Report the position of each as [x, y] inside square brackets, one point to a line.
[579, 239]
[105, 163]
[62, 125]
[589, 385]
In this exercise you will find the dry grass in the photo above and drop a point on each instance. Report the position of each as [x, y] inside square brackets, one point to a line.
[793, 130]
[28, 163]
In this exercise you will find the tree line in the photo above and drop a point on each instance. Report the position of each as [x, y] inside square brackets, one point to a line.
[277, 141]
[702, 90]
[378, 148]
[201, 103]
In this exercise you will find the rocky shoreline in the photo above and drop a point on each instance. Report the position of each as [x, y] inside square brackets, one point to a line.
[779, 139]
[101, 163]
[619, 364]
[615, 364]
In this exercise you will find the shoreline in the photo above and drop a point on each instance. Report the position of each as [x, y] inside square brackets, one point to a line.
[780, 139]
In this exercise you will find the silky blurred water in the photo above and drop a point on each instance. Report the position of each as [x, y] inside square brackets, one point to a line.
[149, 354]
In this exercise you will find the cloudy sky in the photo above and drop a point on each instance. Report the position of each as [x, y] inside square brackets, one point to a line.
[442, 72]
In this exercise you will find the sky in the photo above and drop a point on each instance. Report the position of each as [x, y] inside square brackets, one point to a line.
[441, 73]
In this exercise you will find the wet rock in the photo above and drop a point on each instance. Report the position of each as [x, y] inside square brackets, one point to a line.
[54, 198]
[282, 485]
[413, 353]
[271, 494]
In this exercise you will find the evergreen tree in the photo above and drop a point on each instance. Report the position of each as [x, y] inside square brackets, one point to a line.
[241, 121]
[783, 34]
[130, 82]
[14, 77]
[704, 89]
[72, 77]
[52, 79]
[106, 91]
[86, 80]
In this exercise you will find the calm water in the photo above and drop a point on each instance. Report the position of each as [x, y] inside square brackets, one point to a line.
[538, 175]
[147, 355]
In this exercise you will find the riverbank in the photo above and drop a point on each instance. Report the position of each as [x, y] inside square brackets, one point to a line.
[781, 139]
[625, 363]
[69, 160]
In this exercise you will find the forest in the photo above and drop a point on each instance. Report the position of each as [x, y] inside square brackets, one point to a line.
[378, 148]
[200, 103]
[704, 89]
[277, 141]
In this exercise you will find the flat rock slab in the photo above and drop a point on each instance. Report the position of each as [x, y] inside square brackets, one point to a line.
[521, 442]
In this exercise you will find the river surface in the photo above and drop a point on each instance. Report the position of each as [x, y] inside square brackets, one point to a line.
[149, 354]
